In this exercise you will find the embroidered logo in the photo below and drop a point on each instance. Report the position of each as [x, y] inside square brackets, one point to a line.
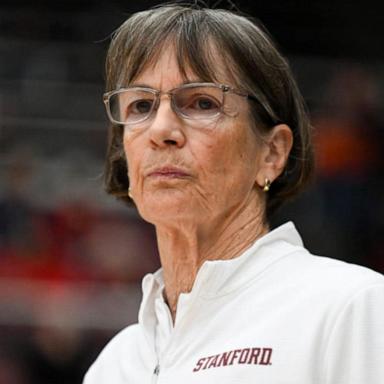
[255, 356]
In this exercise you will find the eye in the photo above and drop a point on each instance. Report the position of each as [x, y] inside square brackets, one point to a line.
[204, 103]
[141, 106]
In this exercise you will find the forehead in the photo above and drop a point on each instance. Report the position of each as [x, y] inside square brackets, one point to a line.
[164, 71]
[168, 69]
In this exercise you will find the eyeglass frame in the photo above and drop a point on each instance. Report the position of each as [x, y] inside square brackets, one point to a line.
[225, 89]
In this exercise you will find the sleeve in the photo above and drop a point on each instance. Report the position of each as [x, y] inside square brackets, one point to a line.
[103, 370]
[355, 349]
[90, 376]
[109, 365]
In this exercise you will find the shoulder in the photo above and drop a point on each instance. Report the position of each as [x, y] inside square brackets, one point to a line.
[299, 261]
[295, 265]
[110, 358]
[123, 339]
[335, 278]
[335, 270]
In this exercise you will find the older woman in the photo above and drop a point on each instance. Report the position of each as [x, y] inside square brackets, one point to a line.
[209, 135]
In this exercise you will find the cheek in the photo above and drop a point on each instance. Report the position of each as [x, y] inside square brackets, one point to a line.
[133, 160]
[229, 162]
[237, 150]
[127, 153]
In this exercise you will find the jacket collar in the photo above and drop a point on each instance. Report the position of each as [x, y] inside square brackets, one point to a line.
[220, 277]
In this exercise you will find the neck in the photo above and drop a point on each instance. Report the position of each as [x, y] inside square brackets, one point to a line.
[185, 247]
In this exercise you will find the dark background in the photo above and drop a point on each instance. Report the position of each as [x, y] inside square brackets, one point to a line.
[71, 258]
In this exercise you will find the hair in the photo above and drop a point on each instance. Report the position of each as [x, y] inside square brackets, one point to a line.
[250, 57]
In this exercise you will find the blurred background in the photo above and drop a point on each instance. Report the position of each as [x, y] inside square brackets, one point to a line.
[71, 258]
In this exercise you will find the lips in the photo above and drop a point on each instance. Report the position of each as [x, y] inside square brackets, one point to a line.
[168, 172]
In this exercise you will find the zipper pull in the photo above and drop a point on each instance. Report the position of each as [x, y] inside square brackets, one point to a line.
[155, 375]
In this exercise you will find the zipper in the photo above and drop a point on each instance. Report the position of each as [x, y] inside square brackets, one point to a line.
[156, 371]
[155, 375]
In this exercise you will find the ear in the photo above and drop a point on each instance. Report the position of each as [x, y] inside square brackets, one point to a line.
[274, 155]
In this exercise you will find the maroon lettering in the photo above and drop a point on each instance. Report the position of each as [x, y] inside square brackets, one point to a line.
[213, 362]
[224, 358]
[208, 360]
[199, 364]
[235, 353]
[244, 356]
[254, 356]
[266, 356]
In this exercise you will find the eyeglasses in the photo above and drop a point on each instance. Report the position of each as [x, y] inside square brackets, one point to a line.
[194, 101]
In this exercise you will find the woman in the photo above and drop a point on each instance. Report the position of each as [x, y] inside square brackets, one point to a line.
[209, 126]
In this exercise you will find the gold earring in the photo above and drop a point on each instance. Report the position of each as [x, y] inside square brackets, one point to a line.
[130, 193]
[267, 185]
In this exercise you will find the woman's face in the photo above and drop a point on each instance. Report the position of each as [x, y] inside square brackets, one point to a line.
[190, 171]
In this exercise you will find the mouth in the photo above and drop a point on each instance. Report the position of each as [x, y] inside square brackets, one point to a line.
[168, 172]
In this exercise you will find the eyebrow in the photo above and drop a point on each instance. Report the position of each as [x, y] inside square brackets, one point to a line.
[140, 85]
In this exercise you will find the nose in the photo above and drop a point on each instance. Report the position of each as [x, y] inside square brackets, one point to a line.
[167, 128]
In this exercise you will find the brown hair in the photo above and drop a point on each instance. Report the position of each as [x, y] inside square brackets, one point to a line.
[252, 60]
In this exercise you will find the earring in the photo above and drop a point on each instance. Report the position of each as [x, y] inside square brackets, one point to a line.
[267, 185]
[130, 193]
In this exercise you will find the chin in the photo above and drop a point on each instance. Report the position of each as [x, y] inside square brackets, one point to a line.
[165, 208]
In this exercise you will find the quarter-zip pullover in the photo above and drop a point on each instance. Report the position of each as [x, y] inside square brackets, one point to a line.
[275, 314]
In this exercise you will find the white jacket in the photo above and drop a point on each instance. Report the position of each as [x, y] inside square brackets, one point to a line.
[274, 315]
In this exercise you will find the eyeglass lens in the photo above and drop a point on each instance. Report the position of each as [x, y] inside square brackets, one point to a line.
[135, 105]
